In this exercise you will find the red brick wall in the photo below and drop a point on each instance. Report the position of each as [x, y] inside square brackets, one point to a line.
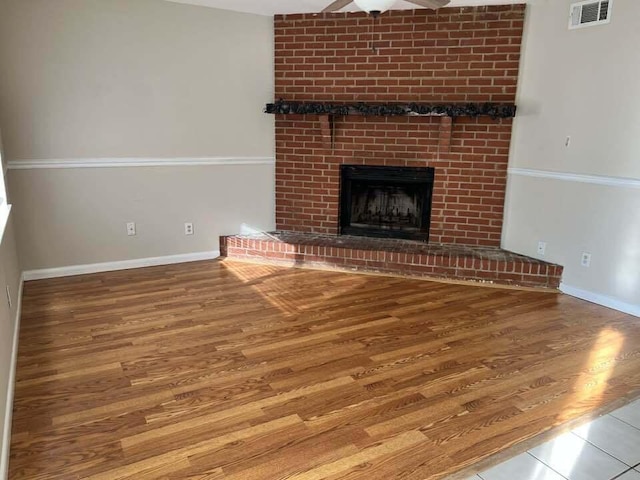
[454, 55]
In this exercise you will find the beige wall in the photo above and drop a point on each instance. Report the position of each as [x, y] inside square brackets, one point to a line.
[9, 276]
[149, 79]
[133, 78]
[78, 216]
[583, 84]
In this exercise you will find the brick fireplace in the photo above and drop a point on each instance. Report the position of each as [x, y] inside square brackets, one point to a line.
[467, 55]
[453, 55]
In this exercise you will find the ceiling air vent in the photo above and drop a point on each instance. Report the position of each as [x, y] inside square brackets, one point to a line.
[590, 13]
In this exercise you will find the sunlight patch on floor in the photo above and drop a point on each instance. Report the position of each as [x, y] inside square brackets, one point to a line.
[590, 386]
[289, 296]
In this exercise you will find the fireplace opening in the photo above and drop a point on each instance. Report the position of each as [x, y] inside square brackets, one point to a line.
[391, 202]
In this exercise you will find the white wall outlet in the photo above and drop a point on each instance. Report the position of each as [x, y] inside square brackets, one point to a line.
[188, 228]
[131, 229]
[586, 259]
[9, 296]
[542, 248]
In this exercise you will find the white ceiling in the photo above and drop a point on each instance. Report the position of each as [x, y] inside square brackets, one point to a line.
[273, 7]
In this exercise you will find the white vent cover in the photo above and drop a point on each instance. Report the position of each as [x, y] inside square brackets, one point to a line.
[590, 13]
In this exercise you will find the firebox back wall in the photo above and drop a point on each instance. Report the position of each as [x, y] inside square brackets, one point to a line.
[454, 55]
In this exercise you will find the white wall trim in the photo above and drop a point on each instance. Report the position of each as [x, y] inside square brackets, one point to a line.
[5, 211]
[577, 177]
[8, 414]
[119, 265]
[599, 299]
[136, 162]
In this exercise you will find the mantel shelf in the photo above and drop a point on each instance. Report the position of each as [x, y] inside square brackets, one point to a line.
[493, 110]
[446, 112]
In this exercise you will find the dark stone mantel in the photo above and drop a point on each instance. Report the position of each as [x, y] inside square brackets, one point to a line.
[493, 110]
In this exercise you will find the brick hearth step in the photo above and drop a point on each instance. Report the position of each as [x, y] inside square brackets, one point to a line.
[392, 256]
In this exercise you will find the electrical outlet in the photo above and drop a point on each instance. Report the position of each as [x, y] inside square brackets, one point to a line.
[542, 248]
[586, 259]
[131, 229]
[188, 228]
[9, 296]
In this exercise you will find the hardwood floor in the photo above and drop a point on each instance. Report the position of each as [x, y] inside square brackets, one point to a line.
[223, 370]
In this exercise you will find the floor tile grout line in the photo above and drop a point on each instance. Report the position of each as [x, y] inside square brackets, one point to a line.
[548, 466]
[619, 419]
[580, 438]
[596, 446]
[621, 474]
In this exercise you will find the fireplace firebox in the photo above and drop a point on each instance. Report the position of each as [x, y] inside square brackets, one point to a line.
[391, 202]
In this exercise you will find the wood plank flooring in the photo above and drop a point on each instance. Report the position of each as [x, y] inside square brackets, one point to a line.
[227, 370]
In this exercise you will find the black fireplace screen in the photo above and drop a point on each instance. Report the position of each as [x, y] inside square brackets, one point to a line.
[386, 201]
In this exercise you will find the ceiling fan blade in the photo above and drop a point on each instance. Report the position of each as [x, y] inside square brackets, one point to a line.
[430, 3]
[337, 5]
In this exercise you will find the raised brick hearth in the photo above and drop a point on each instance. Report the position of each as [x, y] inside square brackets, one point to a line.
[449, 56]
[404, 257]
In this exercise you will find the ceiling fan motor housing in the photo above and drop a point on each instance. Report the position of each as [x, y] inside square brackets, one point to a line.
[374, 7]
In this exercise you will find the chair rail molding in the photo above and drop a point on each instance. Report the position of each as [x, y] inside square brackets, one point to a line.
[627, 182]
[135, 162]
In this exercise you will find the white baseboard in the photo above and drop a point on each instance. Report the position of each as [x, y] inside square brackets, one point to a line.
[603, 300]
[119, 265]
[8, 414]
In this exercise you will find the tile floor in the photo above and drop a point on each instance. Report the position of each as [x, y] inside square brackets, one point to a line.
[605, 449]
